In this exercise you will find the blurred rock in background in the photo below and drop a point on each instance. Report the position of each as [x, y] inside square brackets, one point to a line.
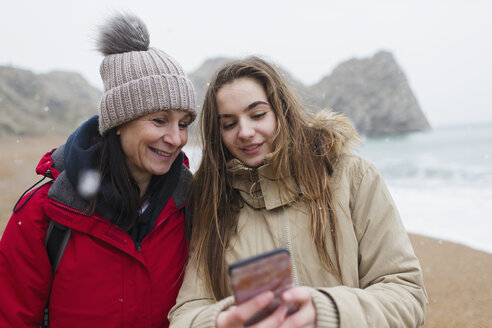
[53, 103]
[373, 92]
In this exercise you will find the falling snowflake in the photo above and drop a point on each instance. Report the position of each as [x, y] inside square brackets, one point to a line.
[89, 183]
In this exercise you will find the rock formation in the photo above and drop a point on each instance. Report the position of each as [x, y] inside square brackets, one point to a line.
[372, 92]
[32, 104]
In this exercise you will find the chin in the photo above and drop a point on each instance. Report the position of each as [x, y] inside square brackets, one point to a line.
[254, 163]
[161, 171]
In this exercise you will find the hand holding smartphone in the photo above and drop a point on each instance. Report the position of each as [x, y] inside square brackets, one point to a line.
[269, 271]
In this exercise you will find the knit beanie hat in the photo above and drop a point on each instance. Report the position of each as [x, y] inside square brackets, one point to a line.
[138, 79]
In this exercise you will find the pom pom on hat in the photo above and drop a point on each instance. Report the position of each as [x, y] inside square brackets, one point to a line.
[123, 33]
[138, 79]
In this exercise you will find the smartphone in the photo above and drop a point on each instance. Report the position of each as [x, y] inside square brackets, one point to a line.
[257, 274]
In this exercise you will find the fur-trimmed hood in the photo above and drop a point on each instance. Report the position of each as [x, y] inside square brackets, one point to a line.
[345, 136]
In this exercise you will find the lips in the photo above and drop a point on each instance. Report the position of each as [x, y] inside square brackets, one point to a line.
[160, 152]
[250, 147]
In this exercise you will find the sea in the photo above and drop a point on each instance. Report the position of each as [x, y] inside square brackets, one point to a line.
[440, 180]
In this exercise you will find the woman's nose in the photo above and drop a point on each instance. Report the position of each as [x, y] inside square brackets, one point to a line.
[173, 135]
[246, 130]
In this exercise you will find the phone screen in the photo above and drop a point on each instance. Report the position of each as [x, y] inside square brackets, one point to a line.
[268, 271]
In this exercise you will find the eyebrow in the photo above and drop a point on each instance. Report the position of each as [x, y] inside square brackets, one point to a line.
[249, 107]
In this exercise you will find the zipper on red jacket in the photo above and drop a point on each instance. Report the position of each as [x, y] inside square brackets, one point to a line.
[139, 245]
[71, 209]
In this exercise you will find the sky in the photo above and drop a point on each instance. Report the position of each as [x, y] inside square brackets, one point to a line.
[443, 47]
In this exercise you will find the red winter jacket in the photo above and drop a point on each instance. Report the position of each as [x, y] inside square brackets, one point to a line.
[103, 280]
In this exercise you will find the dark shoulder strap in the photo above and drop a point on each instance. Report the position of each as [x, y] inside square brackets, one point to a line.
[57, 237]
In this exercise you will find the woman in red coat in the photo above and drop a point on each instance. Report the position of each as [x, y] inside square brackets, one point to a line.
[119, 184]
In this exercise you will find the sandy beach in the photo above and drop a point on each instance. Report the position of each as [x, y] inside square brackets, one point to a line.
[458, 278]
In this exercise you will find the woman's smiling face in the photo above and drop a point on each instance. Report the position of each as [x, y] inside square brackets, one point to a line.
[152, 142]
[247, 120]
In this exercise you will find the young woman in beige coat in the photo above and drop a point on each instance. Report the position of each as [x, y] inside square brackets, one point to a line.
[272, 175]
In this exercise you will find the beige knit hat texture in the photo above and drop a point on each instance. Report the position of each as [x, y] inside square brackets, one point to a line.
[138, 79]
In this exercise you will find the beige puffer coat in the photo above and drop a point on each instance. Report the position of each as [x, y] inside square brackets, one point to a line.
[382, 278]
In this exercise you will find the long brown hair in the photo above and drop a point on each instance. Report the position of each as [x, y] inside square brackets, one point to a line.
[215, 204]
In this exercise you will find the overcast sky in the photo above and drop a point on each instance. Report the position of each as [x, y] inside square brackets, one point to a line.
[444, 47]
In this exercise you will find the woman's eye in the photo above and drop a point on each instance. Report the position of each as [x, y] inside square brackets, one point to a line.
[228, 126]
[183, 125]
[159, 121]
[258, 116]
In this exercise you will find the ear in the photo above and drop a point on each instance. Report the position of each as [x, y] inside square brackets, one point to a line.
[118, 132]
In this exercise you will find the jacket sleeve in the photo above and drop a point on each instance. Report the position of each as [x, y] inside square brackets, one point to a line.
[391, 292]
[25, 271]
[195, 308]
